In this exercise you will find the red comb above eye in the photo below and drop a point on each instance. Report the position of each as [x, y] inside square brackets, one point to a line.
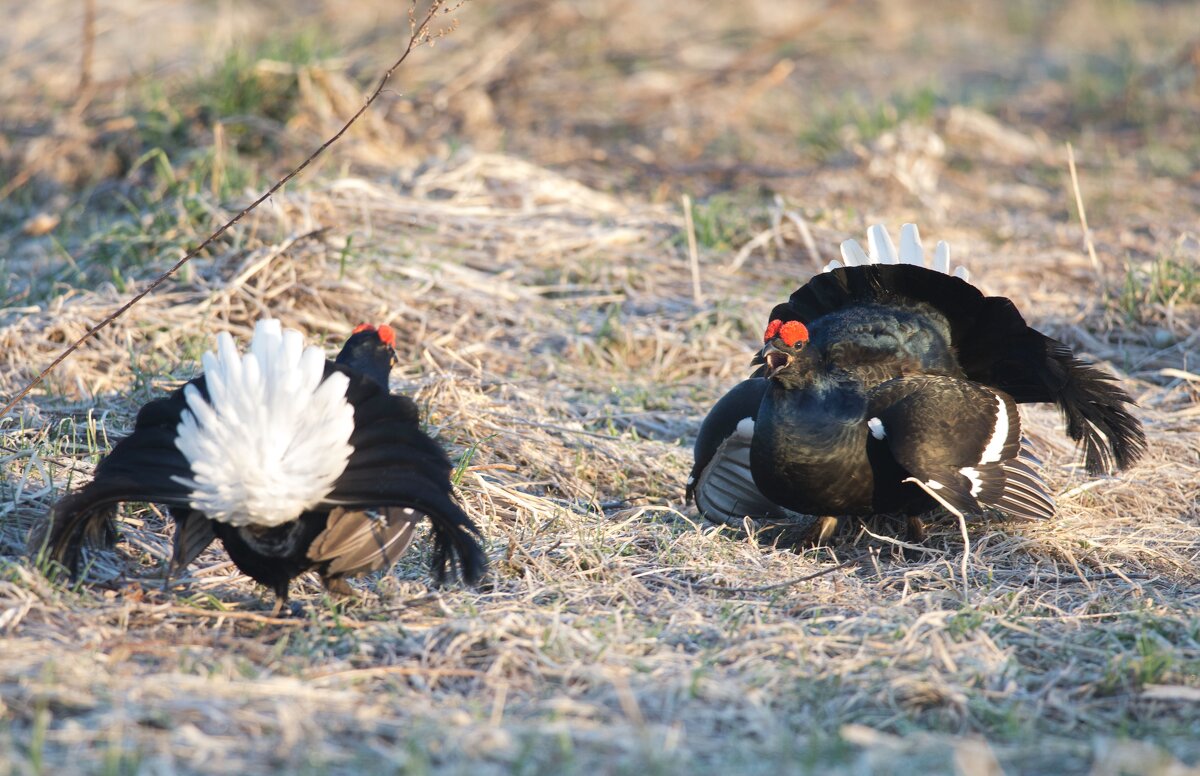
[386, 333]
[772, 330]
[793, 332]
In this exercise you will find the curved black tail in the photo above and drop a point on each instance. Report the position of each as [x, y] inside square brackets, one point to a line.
[456, 549]
[1095, 410]
[74, 522]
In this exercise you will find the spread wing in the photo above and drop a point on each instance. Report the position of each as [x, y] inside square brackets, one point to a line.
[395, 464]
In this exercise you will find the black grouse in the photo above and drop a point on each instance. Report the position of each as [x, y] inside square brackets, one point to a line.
[294, 462]
[884, 386]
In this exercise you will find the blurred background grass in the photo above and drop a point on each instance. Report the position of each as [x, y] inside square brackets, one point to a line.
[190, 104]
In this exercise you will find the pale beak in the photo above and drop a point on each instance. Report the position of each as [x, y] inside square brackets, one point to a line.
[775, 359]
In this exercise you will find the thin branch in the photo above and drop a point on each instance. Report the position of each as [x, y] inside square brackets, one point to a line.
[87, 48]
[420, 35]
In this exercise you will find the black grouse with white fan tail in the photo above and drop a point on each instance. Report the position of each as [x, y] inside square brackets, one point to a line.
[294, 462]
[885, 386]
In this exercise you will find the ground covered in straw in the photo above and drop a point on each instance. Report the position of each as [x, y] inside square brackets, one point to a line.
[513, 208]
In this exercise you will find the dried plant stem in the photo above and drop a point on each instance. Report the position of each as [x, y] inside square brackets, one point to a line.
[797, 218]
[1087, 233]
[693, 253]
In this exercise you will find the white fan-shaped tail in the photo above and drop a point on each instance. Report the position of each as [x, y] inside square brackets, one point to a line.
[273, 437]
[881, 250]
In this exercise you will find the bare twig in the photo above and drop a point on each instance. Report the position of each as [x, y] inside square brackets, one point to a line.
[88, 47]
[376, 671]
[420, 34]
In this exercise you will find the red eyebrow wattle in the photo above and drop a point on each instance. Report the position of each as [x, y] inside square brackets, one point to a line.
[793, 332]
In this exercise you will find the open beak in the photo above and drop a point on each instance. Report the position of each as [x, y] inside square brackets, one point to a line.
[774, 358]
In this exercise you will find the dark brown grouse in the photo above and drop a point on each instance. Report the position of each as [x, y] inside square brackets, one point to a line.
[884, 386]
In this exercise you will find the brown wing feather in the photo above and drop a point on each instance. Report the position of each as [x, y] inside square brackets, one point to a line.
[355, 542]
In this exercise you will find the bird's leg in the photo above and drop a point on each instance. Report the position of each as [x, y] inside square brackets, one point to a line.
[281, 599]
[914, 534]
[916, 530]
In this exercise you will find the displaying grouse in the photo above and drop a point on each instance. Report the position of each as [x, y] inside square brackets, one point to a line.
[294, 462]
[885, 386]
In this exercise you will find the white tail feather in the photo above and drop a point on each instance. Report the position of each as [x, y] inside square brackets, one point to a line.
[910, 246]
[879, 243]
[941, 258]
[273, 437]
[853, 255]
[881, 250]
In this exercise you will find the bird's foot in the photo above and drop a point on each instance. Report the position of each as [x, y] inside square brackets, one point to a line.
[822, 530]
[338, 586]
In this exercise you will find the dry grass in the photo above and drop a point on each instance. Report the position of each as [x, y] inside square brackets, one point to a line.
[550, 333]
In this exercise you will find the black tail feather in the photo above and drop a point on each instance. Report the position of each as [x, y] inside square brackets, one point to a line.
[86, 518]
[75, 522]
[1094, 407]
[141, 467]
[193, 533]
[456, 550]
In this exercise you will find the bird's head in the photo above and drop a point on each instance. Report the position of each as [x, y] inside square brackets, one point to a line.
[370, 350]
[782, 343]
